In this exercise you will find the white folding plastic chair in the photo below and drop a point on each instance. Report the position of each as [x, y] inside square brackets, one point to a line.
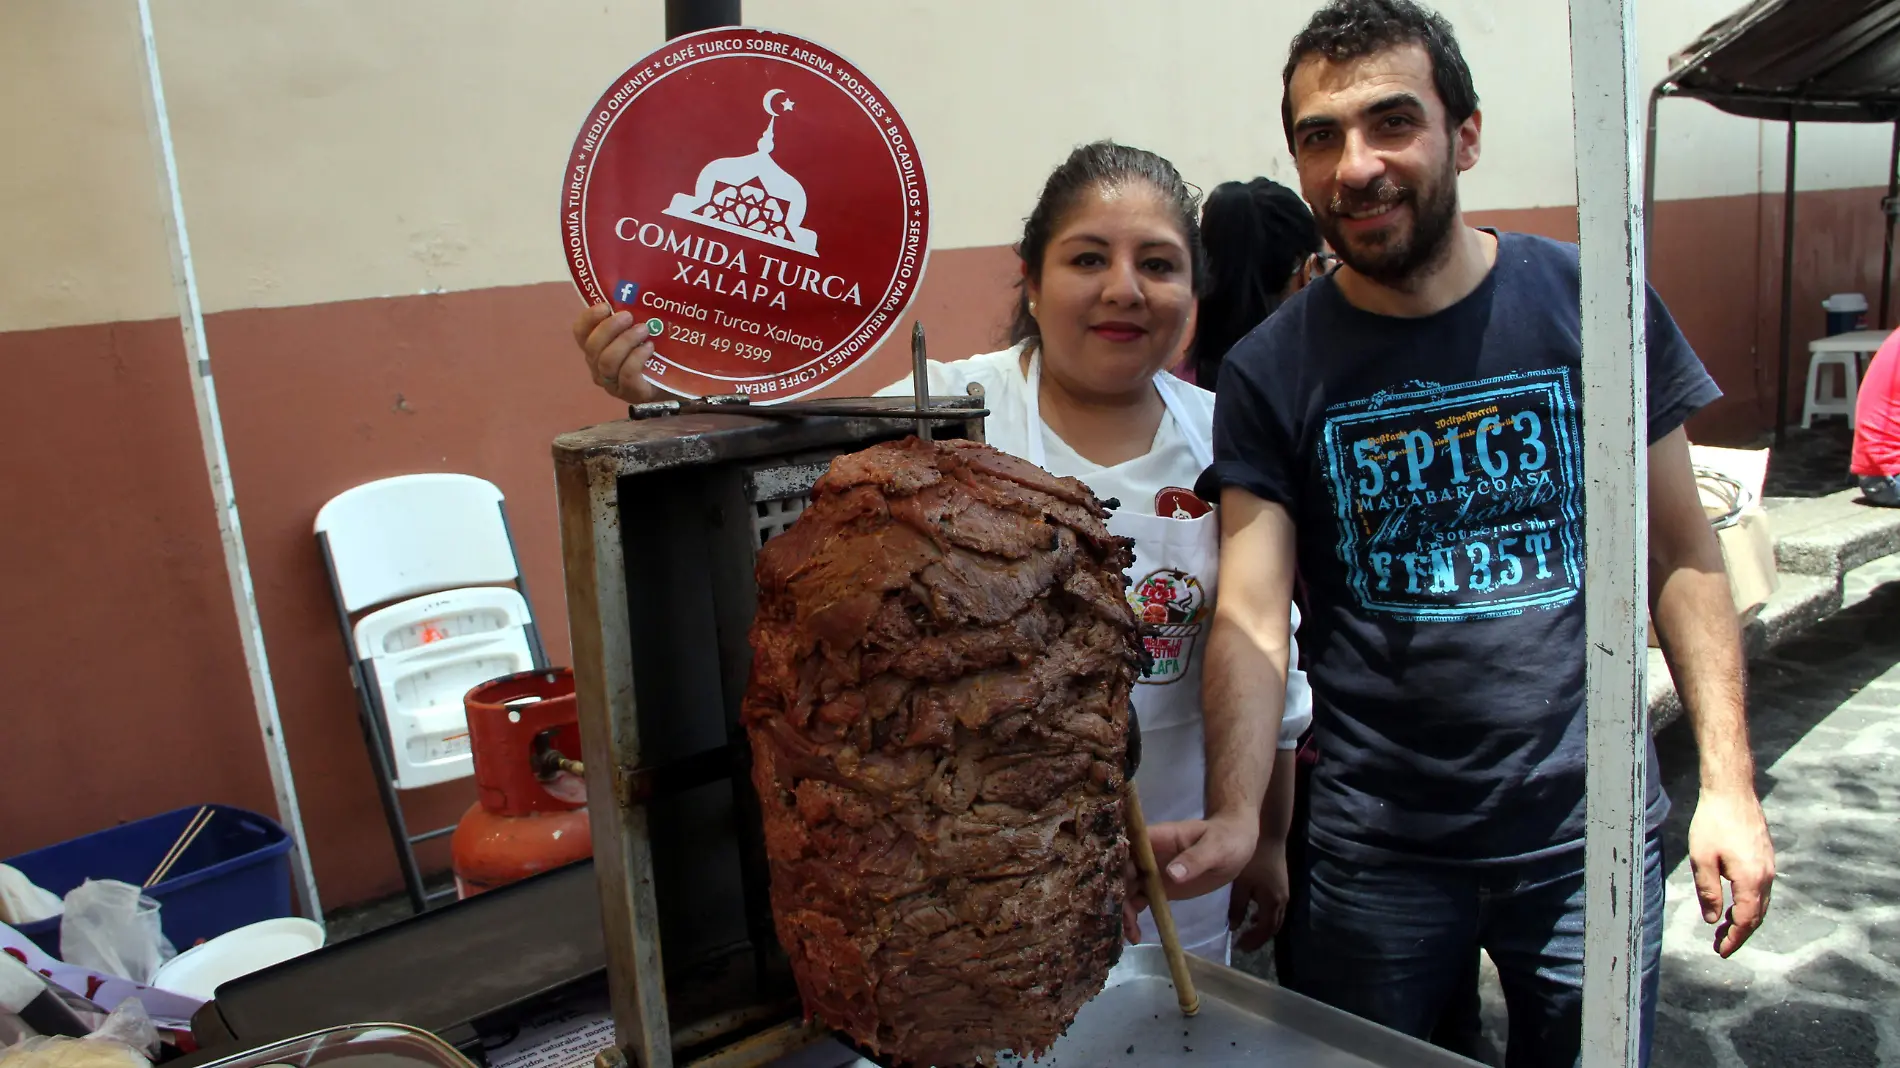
[433, 552]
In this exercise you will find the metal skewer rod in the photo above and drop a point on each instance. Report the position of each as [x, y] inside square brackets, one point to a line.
[793, 410]
[1158, 901]
[920, 377]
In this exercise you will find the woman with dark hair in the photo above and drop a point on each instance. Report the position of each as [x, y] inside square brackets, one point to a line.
[1261, 241]
[1111, 266]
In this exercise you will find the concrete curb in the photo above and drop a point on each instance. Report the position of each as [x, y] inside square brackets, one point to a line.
[1818, 540]
[1832, 535]
[1799, 602]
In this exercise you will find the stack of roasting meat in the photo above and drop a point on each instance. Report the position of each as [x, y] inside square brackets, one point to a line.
[938, 713]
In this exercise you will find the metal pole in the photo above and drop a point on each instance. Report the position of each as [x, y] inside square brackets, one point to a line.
[598, 626]
[1887, 208]
[691, 16]
[1615, 448]
[920, 377]
[1787, 292]
[204, 396]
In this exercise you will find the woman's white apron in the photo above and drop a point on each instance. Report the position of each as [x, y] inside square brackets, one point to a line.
[1172, 587]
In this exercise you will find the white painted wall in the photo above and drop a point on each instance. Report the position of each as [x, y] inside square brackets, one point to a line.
[355, 148]
[1704, 152]
[82, 234]
[358, 148]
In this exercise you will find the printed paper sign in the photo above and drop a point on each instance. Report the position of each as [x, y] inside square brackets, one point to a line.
[568, 1042]
[758, 202]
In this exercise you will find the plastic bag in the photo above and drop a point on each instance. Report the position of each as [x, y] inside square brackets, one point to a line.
[31, 1004]
[112, 927]
[13, 1031]
[171, 1012]
[23, 902]
[127, 1039]
[130, 1027]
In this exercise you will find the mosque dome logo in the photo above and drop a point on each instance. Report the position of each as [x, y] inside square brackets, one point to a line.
[752, 195]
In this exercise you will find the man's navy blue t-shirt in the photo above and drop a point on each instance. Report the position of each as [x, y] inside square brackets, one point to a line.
[1433, 470]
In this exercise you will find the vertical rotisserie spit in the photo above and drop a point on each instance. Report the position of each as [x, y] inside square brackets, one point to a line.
[938, 713]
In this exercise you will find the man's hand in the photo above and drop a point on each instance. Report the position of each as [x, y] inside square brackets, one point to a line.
[1200, 856]
[1728, 839]
[1262, 883]
[617, 350]
[1196, 857]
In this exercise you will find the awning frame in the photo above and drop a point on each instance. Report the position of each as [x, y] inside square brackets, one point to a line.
[1793, 108]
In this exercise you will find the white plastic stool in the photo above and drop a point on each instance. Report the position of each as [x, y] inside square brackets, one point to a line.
[1815, 404]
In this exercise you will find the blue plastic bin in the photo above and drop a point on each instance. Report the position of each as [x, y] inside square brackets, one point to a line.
[236, 872]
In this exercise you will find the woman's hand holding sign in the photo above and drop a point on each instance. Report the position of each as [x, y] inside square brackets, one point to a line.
[617, 349]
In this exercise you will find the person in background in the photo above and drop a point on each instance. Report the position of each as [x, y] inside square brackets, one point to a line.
[1111, 266]
[1405, 434]
[1261, 242]
[1877, 427]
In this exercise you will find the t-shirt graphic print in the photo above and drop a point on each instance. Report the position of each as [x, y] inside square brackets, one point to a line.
[1461, 502]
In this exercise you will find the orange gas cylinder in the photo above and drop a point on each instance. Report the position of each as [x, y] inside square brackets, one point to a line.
[532, 813]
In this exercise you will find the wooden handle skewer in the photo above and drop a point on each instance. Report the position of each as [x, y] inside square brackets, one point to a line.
[189, 835]
[1158, 902]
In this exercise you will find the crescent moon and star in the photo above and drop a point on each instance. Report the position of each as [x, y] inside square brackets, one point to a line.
[769, 94]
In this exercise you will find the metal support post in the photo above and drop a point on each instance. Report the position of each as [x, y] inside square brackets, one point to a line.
[598, 627]
[1787, 292]
[204, 395]
[1888, 206]
[1615, 440]
[691, 16]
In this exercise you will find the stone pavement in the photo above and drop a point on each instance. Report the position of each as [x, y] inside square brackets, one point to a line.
[1819, 985]
[1811, 462]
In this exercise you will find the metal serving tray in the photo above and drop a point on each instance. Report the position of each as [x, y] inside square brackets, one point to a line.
[1243, 1021]
[355, 1046]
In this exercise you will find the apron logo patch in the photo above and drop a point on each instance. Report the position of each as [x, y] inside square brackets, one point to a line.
[1172, 608]
[1177, 503]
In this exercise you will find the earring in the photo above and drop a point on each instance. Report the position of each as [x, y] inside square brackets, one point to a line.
[1032, 307]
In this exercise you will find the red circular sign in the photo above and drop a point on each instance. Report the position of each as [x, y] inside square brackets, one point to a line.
[755, 199]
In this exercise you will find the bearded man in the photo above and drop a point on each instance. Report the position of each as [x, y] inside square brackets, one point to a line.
[1405, 435]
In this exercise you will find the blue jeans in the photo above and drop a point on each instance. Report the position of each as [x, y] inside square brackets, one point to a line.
[1393, 941]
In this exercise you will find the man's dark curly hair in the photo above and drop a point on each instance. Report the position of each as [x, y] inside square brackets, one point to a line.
[1349, 29]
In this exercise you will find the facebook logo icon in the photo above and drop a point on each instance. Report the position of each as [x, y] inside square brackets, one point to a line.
[625, 292]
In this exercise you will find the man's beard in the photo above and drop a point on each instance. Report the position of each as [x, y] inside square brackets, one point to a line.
[1397, 258]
